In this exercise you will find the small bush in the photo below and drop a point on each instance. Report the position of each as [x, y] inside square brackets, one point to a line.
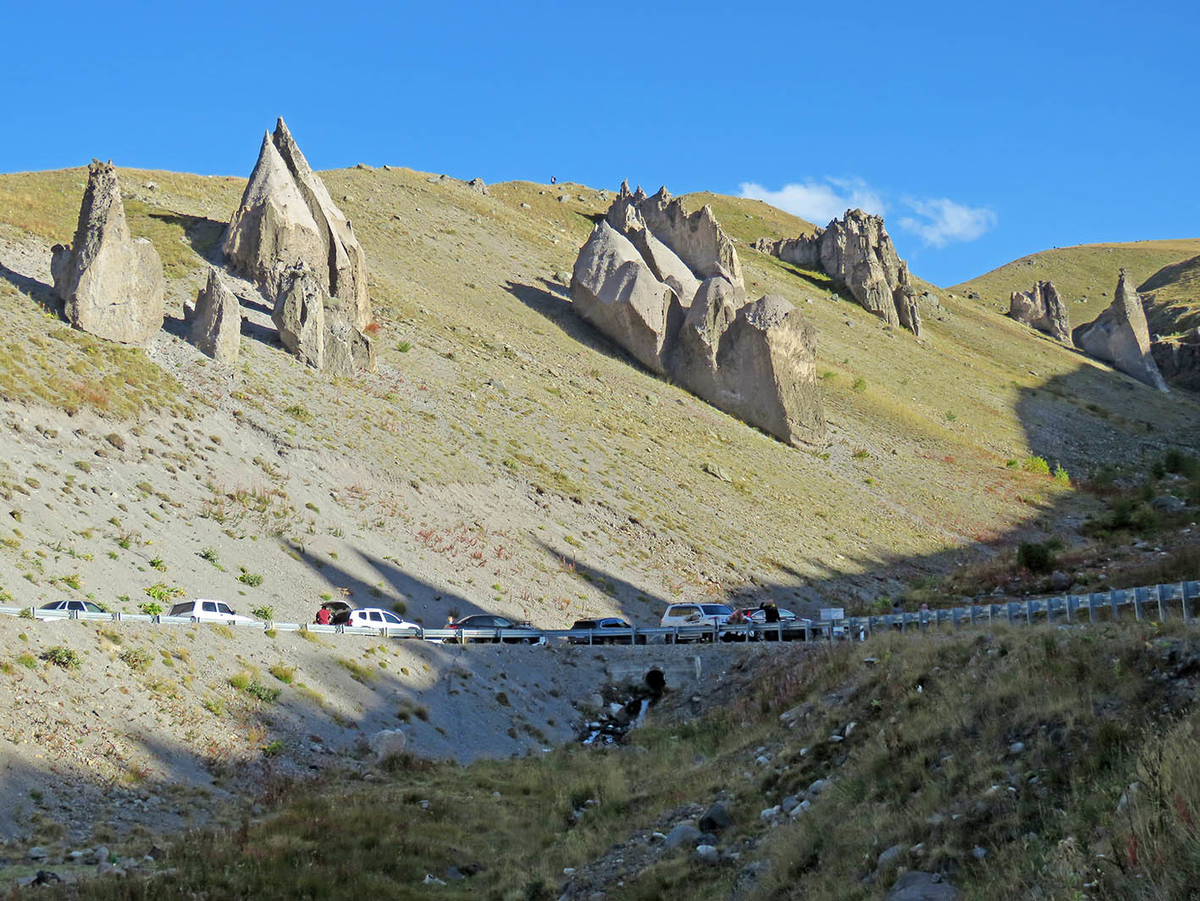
[210, 554]
[273, 749]
[1037, 558]
[240, 681]
[400, 607]
[285, 674]
[28, 661]
[404, 347]
[115, 440]
[150, 608]
[157, 563]
[215, 706]
[859, 386]
[300, 412]
[251, 579]
[60, 656]
[137, 659]
[266, 611]
[1036, 465]
[267, 695]
[1061, 476]
[1178, 462]
[162, 592]
[357, 671]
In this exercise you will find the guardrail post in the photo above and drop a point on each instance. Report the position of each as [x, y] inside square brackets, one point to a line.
[1162, 614]
[1116, 609]
[1091, 609]
[1070, 608]
[1009, 606]
[1137, 606]
[1187, 615]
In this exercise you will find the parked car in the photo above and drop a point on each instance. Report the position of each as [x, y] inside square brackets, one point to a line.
[339, 613]
[207, 610]
[758, 615]
[599, 625]
[67, 608]
[378, 618]
[684, 615]
[494, 621]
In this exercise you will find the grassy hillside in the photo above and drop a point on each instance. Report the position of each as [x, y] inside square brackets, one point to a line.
[1085, 276]
[1003, 762]
[1172, 297]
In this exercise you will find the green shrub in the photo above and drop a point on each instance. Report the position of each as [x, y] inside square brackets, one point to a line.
[267, 695]
[162, 592]
[1061, 476]
[1036, 465]
[251, 579]
[400, 607]
[859, 386]
[157, 563]
[1037, 558]
[137, 659]
[266, 611]
[61, 656]
[150, 608]
[28, 661]
[210, 554]
[285, 674]
[404, 347]
[273, 749]
[1177, 461]
[300, 412]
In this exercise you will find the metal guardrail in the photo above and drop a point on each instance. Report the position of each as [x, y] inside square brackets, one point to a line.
[1155, 602]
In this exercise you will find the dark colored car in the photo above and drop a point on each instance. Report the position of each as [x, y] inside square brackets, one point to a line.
[494, 621]
[339, 612]
[598, 625]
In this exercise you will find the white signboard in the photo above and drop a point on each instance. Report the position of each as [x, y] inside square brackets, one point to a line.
[828, 613]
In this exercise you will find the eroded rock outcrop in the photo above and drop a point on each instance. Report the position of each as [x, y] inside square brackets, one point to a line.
[696, 238]
[292, 239]
[672, 295]
[217, 326]
[857, 253]
[1043, 310]
[1121, 337]
[299, 313]
[1178, 359]
[111, 283]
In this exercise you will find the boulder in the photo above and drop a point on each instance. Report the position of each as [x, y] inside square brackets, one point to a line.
[918, 886]
[858, 255]
[1042, 309]
[696, 238]
[299, 314]
[217, 327]
[347, 349]
[712, 312]
[273, 226]
[387, 743]
[1178, 359]
[1121, 337]
[342, 268]
[614, 289]
[662, 260]
[766, 371]
[111, 283]
[477, 185]
[715, 819]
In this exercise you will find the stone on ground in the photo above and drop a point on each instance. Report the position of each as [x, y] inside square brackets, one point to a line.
[217, 327]
[300, 314]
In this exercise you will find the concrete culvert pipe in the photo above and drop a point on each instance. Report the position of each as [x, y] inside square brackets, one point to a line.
[656, 681]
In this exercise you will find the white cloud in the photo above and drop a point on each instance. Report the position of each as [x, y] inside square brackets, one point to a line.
[820, 201]
[936, 221]
[946, 221]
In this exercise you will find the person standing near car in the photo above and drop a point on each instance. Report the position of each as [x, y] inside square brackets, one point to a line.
[322, 617]
[771, 611]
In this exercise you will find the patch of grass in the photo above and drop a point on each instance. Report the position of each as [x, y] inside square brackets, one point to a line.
[357, 671]
[137, 659]
[61, 656]
[299, 412]
[249, 578]
[264, 612]
[285, 674]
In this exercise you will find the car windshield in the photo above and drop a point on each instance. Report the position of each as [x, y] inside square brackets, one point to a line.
[224, 608]
[716, 609]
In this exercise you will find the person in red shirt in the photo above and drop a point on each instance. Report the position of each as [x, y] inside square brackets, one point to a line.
[322, 617]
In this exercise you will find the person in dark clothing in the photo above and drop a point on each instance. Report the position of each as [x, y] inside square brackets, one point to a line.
[772, 612]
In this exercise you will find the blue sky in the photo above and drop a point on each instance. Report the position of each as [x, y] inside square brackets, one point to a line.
[981, 131]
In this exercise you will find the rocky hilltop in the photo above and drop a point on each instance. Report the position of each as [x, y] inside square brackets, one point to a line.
[667, 286]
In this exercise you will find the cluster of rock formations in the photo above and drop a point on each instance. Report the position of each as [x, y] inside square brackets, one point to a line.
[667, 286]
[290, 238]
[1120, 336]
[858, 255]
[287, 236]
[1043, 310]
[110, 282]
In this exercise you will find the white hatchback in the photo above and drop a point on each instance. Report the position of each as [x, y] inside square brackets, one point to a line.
[211, 611]
[378, 618]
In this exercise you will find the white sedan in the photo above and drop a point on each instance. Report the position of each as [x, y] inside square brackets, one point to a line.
[62, 609]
